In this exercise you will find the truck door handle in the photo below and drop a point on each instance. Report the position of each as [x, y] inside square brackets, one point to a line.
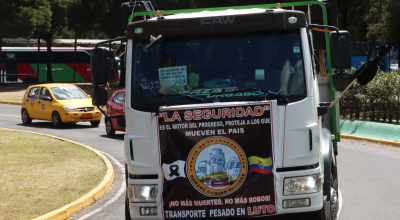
[38, 101]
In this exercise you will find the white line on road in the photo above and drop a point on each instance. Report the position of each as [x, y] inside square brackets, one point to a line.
[119, 193]
[15, 116]
[18, 116]
[340, 202]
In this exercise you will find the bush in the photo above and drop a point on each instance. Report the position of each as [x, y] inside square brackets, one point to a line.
[376, 101]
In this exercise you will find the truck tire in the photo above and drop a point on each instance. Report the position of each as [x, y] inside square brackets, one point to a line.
[330, 187]
[127, 212]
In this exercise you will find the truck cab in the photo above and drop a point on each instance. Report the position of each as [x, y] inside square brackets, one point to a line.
[240, 83]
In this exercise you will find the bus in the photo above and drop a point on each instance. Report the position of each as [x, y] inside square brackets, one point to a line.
[360, 51]
[19, 65]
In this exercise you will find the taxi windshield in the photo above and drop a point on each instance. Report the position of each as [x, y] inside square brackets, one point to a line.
[68, 92]
[217, 68]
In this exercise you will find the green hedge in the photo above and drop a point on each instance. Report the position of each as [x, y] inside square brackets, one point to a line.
[376, 101]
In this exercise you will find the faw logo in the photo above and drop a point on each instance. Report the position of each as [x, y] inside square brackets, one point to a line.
[217, 20]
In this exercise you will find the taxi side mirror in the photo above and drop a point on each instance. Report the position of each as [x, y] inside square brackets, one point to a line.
[47, 98]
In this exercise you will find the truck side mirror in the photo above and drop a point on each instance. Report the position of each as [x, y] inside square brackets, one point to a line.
[99, 66]
[340, 50]
[341, 59]
[341, 80]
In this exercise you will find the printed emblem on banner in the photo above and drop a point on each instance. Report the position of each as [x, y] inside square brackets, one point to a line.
[174, 170]
[217, 166]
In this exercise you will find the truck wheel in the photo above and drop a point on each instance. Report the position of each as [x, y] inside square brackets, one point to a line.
[109, 128]
[25, 117]
[334, 201]
[127, 212]
[95, 123]
[56, 119]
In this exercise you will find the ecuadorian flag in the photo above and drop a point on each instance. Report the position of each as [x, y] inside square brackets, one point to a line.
[260, 165]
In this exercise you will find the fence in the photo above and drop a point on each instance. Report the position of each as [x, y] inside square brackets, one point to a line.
[376, 101]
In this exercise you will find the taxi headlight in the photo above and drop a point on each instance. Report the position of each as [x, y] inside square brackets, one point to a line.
[68, 108]
[142, 193]
[302, 185]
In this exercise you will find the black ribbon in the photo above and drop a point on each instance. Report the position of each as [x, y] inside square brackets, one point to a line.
[174, 171]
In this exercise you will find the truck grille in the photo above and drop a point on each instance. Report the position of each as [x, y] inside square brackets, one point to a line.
[86, 109]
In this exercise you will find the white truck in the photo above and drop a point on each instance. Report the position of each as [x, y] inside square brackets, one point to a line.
[242, 80]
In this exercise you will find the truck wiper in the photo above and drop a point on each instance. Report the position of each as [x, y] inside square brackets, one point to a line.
[167, 94]
[284, 100]
[153, 40]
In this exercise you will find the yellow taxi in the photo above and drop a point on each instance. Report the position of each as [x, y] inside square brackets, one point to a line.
[58, 103]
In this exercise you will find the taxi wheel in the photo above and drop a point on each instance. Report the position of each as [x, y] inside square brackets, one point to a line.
[109, 128]
[95, 123]
[56, 119]
[25, 117]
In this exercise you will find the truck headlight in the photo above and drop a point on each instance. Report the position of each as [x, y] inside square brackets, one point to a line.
[142, 193]
[302, 185]
[68, 108]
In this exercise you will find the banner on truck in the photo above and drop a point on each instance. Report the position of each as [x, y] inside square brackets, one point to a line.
[217, 162]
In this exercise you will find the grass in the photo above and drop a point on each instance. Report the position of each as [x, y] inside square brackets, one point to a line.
[39, 174]
[15, 92]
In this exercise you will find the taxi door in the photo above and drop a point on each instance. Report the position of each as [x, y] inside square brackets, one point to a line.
[31, 102]
[44, 107]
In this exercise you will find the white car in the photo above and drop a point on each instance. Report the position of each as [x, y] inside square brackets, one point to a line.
[394, 67]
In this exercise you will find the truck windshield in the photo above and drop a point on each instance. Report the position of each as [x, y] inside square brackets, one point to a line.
[217, 68]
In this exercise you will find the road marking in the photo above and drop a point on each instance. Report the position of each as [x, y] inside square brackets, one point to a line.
[15, 116]
[119, 193]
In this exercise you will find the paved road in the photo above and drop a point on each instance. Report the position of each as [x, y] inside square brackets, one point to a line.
[368, 173]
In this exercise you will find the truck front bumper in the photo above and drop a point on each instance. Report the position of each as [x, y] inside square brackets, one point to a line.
[316, 199]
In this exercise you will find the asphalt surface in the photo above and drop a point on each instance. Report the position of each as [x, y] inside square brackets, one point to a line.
[368, 173]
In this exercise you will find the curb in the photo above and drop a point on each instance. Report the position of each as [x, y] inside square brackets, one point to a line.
[11, 103]
[394, 143]
[86, 200]
[371, 131]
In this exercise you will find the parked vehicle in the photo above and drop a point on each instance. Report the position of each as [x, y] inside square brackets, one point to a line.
[115, 106]
[394, 66]
[58, 103]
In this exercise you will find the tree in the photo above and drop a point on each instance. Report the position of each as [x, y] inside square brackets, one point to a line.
[352, 17]
[58, 20]
[21, 18]
[384, 22]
